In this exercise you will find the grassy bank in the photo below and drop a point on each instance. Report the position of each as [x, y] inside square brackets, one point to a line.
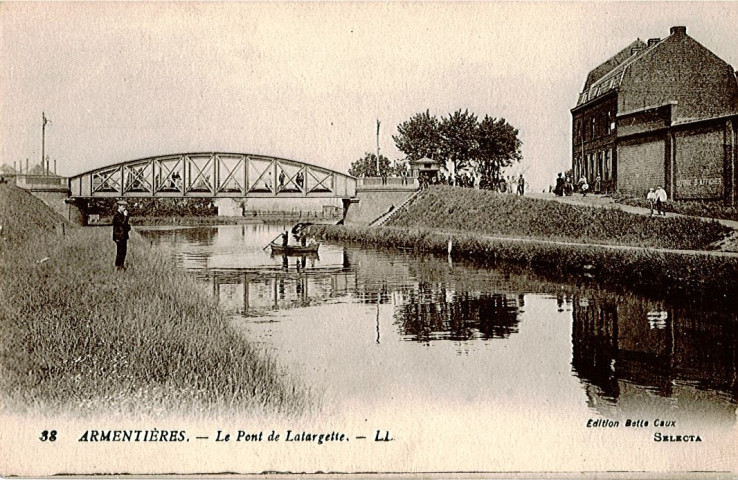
[490, 213]
[641, 269]
[79, 337]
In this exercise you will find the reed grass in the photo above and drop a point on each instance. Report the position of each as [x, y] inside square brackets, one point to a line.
[77, 336]
[643, 269]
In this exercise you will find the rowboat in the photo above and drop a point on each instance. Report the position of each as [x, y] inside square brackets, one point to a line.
[278, 249]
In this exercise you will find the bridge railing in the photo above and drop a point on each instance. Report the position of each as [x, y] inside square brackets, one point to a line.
[387, 183]
[213, 174]
[42, 182]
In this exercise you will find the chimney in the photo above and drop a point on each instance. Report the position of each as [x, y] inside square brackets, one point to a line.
[635, 51]
[678, 30]
[653, 41]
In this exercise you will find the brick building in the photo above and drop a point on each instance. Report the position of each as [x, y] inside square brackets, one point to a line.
[664, 113]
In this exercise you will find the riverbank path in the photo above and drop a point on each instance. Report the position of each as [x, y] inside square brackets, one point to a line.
[609, 202]
[730, 244]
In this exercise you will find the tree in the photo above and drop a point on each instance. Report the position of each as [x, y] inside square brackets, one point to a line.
[499, 147]
[419, 137]
[37, 170]
[7, 169]
[458, 140]
[399, 167]
[367, 166]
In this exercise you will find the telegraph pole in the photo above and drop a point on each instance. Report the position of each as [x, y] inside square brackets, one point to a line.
[378, 123]
[44, 121]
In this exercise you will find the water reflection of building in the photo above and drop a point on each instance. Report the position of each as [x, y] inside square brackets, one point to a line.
[434, 311]
[644, 344]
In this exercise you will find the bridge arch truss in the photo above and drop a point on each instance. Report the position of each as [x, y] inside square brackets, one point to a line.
[212, 174]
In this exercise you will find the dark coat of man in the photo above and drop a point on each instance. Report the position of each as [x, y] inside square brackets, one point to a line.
[120, 237]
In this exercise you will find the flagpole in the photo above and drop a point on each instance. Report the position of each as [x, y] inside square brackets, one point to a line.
[378, 123]
[43, 142]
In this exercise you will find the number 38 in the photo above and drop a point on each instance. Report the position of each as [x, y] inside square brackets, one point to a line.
[48, 435]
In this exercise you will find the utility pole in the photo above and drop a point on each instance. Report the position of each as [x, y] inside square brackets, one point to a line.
[44, 121]
[378, 123]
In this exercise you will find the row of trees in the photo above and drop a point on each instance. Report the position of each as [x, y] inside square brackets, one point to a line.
[460, 142]
[367, 167]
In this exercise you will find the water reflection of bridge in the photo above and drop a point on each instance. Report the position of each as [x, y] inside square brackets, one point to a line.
[250, 292]
[423, 310]
[634, 342]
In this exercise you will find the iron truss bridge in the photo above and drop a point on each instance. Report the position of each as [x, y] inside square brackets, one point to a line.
[212, 175]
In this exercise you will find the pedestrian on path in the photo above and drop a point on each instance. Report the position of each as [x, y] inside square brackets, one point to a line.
[583, 185]
[660, 200]
[521, 185]
[651, 197]
[559, 188]
[120, 235]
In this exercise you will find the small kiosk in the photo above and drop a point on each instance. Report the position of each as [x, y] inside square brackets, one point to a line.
[425, 168]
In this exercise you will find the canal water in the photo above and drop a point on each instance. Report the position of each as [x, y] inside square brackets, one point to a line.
[461, 354]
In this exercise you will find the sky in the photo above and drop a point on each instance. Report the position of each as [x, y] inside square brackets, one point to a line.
[308, 81]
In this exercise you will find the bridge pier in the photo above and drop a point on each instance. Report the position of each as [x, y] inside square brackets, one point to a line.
[53, 190]
[375, 196]
[76, 211]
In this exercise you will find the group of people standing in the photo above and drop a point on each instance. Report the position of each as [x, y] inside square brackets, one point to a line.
[565, 185]
[656, 199]
[512, 185]
[466, 180]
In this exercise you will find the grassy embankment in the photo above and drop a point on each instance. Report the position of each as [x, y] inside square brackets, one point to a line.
[491, 227]
[78, 337]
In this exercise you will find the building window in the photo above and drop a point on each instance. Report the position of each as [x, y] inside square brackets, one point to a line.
[592, 133]
[608, 166]
[608, 125]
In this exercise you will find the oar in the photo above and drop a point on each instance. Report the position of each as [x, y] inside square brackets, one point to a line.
[272, 241]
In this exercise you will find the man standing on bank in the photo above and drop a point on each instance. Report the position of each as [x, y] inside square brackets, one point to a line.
[660, 200]
[120, 234]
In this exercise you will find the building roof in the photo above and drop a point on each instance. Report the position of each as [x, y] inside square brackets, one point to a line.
[424, 160]
[607, 66]
[611, 80]
[609, 75]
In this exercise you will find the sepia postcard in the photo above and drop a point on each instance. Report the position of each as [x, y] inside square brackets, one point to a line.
[351, 239]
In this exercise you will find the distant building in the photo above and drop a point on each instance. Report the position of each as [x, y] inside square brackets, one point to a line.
[424, 167]
[664, 113]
